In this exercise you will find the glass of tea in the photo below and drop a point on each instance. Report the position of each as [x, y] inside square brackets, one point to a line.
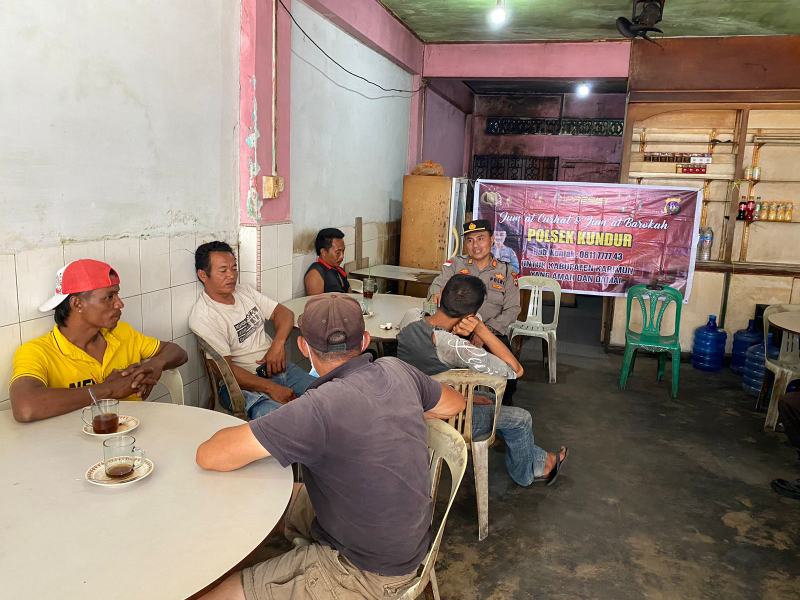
[121, 456]
[370, 287]
[104, 416]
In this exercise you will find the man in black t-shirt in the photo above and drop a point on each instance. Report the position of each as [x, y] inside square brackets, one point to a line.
[359, 431]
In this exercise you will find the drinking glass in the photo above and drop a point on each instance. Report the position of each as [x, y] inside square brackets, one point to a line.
[370, 287]
[104, 416]
[121, 456]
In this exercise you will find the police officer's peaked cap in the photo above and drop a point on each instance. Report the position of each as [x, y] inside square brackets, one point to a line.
[477, 225]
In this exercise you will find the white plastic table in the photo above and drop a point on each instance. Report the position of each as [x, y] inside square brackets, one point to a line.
[387, 308]
[167, 536]
[395, 273]
[790, 321]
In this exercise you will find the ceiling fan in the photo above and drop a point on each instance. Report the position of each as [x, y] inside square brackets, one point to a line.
[644, 16]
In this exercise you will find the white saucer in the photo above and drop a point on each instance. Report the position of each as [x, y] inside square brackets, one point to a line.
[126, 425]
[97, 474]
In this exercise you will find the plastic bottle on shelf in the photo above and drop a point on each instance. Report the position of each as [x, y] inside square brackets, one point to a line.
[789, 214]
[757, 210]
[708, 349]
[780, 212]
[742, 209]
[773, 211]
[704, 243]
[742, 340]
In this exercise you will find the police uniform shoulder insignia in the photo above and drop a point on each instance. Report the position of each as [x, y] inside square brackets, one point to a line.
[494, 263]
[515, 277]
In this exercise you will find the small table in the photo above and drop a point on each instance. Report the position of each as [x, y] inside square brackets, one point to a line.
[405, 275]
[789, 321]
[167, 536]
[387, 308]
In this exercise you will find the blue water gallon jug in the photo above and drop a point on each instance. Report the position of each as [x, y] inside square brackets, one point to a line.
[753, 371]
[742, 340]
[708, 349]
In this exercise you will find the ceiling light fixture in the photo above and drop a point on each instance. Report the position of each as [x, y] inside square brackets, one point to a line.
[583, 90]
[498, 14]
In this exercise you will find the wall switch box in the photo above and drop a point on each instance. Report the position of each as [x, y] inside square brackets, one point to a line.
[273, 185]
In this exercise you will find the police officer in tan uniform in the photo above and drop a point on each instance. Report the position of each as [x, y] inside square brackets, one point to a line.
[501, 307]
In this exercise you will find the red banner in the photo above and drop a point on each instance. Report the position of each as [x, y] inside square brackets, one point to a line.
[597, 239]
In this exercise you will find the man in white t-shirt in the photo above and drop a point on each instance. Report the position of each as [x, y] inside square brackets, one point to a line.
[231, 318]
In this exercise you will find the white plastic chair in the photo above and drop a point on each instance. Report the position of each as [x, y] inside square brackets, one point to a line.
[172, 380]
[465, 381]
[356, 285]
[787, 366]
[445, 444]
[533, 326]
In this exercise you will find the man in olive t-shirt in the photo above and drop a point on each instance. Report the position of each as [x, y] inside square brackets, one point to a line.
[359, 431]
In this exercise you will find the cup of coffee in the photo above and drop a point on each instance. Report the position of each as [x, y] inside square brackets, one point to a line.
[104, 417]
[121, 456]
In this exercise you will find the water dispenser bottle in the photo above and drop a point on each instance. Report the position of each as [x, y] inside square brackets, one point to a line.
[753, 372]
[708, 349]
[742, 340]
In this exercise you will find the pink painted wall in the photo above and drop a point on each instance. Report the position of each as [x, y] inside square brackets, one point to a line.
[415, 124]
[581, 158]
[255, 111]
[278, 210]
[369, 22]
[443, 134]
[538, 59]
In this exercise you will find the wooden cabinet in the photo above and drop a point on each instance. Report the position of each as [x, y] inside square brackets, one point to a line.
[426, 221]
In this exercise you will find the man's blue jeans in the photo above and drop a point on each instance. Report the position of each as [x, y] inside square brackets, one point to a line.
[258, 404]
[524, 459]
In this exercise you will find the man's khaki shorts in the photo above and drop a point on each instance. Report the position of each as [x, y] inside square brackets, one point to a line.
[315, 571]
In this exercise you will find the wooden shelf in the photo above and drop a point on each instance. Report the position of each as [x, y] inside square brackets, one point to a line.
[773, 181]
[776, 222]
[701, 176]
[775, 143]
[748, 268]
[684, 143]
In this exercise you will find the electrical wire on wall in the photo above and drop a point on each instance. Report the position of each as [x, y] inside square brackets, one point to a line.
[341, 66]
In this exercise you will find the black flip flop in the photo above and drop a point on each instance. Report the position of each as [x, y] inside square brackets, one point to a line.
[786, 488]
[551, 477]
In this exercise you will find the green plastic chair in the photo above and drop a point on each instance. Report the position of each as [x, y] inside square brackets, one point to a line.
[653, 302]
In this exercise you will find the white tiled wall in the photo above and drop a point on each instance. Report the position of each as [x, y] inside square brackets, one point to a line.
[377, 238]
[158, 286]
[265, 259]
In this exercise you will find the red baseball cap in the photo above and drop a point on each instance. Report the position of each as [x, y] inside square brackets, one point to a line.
[82, 275]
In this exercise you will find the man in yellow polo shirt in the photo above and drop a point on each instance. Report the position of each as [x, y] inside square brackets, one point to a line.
[89, 352]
